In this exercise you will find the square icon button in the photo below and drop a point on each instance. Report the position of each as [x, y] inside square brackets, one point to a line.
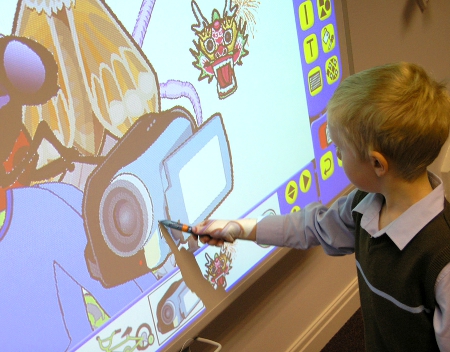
[326, 165]
[328, 38]
[306, 15]
[332, 69]
[315, 82]
[323, 9]
[311, 48]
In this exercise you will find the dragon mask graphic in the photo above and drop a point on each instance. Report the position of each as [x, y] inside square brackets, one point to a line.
[219, 47]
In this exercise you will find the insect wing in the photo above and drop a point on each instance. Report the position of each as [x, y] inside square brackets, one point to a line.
[106, 81]
[58, 112]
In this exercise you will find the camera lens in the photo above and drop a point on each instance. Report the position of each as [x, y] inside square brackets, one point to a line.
[168, 312]
[126, 215]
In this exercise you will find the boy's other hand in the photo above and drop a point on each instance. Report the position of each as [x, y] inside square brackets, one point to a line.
[216, 232]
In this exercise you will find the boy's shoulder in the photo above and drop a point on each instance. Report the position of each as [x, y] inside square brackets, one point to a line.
[440, 222]
[446, 213]
[359, 196]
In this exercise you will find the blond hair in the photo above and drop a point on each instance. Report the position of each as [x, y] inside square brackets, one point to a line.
[397, 110]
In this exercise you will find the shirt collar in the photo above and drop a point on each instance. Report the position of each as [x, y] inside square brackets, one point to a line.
[403, 229]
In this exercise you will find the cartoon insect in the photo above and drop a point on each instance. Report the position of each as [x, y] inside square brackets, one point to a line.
[218, 268]
[28, 76]
[106, 81]
[220, 45]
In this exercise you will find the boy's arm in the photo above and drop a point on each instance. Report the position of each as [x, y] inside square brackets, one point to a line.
[441, 318]
[333, 228]
[216, 232]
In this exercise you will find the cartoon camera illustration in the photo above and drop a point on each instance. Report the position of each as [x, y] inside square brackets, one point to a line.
[164, 167]
[176, 304]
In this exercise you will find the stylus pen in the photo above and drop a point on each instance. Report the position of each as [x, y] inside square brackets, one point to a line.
[177, 226]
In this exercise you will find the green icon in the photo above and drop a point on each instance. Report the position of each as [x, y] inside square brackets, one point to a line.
[327, 165]
[306, 15]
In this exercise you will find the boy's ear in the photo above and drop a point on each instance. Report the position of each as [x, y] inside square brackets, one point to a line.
[379, 163]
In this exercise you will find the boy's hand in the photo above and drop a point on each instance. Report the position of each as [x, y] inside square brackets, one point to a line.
[216, 232]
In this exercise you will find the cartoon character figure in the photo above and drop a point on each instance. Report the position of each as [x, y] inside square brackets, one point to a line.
[44, 275]
[220, 45]
[77, 97]
[28, 76]
[42, 238]
[102, 92]
[218, 268]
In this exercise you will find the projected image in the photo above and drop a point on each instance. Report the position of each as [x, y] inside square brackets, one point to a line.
[220, 45]
[35, 85]
[116, 116]
[219, 267]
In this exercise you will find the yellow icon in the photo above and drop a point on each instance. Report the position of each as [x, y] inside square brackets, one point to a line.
[315, 82]
[332, 69]
[311, 48]
[328, 38]
[323, 9]
[295, 209]
[306, 15]
[327, 165]
[291, 192]
[305, 180]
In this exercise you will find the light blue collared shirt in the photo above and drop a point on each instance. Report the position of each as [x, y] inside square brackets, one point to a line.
[333, 228]
[407, 225]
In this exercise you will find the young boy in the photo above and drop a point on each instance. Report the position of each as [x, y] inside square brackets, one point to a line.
[388, 124]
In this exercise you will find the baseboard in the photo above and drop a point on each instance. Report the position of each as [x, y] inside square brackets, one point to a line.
[329, 322]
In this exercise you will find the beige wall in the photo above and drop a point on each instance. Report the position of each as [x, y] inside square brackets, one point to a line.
[284, 307]
[385, 31]
[302, 301]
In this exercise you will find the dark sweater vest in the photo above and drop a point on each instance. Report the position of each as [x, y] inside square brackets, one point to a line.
[397, 287]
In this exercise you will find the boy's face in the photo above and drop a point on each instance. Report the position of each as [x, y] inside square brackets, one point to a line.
[359, 172]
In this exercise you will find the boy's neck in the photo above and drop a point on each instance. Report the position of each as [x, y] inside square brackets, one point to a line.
[400, 195]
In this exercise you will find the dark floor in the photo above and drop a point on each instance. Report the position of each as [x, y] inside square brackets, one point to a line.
[350, 338]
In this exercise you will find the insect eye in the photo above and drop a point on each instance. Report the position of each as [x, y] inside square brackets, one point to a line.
[228, 36]
[210, 45]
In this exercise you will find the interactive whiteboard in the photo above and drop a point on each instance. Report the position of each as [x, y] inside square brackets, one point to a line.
[117, 114]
